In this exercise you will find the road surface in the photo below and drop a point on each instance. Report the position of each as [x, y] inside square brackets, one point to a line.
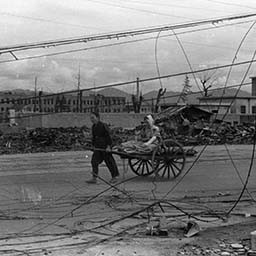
[46, 193]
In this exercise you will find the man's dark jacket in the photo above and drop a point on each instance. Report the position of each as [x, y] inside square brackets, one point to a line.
[101, 135]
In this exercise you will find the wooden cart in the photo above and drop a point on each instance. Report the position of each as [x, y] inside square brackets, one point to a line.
[167, 160]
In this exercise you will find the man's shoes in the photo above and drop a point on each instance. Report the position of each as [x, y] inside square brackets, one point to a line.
[114, 180]
[92, 181]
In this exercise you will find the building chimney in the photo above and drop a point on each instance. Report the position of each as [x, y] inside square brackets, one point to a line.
[253, 85]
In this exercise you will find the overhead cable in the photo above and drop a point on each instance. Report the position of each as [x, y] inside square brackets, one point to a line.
[146, 79]
[121, 34]
[121, 43]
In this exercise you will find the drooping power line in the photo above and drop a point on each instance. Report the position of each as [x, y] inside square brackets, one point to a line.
[116, 35]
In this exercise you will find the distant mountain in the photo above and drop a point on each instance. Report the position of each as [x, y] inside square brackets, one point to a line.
[114, 92]
[172, 97]
[18, 92]
[21, 92]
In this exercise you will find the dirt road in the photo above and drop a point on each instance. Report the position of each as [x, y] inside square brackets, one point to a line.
[46, 206]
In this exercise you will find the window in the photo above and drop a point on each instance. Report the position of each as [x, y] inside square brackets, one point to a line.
[243, 109]
[253, 109]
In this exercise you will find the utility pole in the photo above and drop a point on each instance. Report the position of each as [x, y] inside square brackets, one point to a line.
[137, 89]
[35, 99]
[40, 100]
[96, 99]
[137, 98]
[78, 106]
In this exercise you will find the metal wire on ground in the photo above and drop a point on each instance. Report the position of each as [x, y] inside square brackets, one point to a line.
[248, 174]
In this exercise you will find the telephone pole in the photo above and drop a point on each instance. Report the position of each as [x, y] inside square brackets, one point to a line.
[78, 106]
[35, 94]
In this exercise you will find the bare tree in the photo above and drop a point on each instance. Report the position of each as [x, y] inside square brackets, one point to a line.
[185, 91]
[160, 94]
[208, 79]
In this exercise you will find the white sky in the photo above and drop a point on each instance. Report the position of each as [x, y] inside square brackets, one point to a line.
[24, 21]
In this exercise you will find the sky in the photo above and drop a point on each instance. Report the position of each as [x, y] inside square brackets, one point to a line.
[113, 61]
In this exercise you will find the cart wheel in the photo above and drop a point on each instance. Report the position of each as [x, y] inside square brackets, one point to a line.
[168, 159]
[140, 166]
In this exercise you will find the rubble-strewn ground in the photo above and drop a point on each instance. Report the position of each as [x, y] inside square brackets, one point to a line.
[74, 138]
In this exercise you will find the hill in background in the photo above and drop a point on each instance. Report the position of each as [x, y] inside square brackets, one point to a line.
[170, 97]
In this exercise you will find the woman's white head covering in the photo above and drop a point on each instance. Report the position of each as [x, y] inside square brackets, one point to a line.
[150, 119]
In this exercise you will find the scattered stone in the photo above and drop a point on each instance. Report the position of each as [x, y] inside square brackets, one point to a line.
[241, 250]
[237, 246]
[251, 253]
[225, 254]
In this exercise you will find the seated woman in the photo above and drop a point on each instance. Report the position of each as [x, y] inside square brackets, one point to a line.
[149, 145]
[155, 133]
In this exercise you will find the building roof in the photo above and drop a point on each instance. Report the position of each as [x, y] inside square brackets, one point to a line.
[176, 110]
[227, 97]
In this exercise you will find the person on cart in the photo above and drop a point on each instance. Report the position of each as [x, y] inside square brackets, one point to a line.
[136, 146]
[101, 142]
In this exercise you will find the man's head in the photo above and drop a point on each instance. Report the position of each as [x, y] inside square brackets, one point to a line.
[95, 117]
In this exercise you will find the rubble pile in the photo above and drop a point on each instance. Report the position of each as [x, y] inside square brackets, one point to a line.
[74, 138]
[221, 134]
[44, 140]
